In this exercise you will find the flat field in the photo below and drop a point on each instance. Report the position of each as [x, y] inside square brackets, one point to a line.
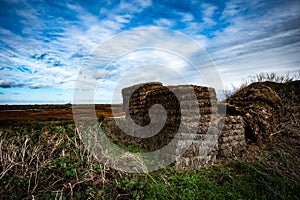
[11, 115]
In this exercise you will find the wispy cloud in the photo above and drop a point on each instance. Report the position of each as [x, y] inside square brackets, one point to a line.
[43, 45]
[264, 39]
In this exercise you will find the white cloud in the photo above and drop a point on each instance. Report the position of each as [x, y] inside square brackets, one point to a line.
[134, 6]
[187, 17]
[164, 23]
[231, 9]
[208, 10]
[106, 74]
[207, 13]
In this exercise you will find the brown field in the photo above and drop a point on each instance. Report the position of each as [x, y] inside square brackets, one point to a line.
[12, 114]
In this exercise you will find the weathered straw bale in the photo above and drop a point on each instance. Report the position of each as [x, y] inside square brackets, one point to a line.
[260, 107]
[199, 127]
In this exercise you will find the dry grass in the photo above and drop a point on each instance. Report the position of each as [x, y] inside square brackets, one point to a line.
[49, 162]
[259, 78]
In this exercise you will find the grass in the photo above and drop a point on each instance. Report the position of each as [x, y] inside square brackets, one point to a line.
[239, 180]
[48, 161]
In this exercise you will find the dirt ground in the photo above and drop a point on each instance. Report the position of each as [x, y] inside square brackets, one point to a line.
[12, 114]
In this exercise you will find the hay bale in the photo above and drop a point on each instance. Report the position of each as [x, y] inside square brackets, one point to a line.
[232, 139]
[260, 107]
[178, 101]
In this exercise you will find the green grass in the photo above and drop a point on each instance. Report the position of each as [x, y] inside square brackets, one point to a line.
[48, 161]
[236, 180]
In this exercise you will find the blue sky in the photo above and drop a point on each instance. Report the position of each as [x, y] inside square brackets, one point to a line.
[43, 44]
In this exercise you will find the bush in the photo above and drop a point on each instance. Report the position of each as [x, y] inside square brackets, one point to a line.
[101, 118]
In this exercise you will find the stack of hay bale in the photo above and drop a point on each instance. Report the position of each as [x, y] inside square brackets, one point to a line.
[192, 124]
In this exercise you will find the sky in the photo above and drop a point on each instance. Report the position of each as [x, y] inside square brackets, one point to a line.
[44, 45]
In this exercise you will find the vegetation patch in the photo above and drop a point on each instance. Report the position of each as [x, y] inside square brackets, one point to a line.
[48, 161]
